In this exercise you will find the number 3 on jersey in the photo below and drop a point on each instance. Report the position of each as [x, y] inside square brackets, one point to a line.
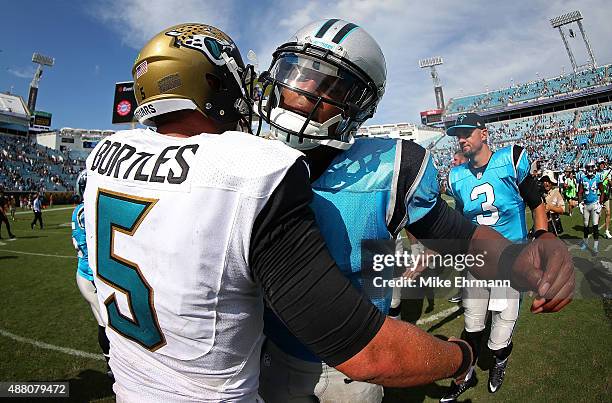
[490, 214]
[118, 212]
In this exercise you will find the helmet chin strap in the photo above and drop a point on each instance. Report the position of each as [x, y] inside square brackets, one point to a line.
[295, 122]
[343, 145]
[232, 66]
[309, 144]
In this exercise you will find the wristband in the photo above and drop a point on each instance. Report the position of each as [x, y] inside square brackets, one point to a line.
[539, 233]
[466, 360]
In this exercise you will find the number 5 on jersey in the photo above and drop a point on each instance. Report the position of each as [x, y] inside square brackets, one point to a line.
[118, 212]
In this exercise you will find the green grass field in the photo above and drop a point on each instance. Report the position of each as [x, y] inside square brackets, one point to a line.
[564, 357]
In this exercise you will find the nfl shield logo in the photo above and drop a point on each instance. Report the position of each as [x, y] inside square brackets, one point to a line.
[479, 175]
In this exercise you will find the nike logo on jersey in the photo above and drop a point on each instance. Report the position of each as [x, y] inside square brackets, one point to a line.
[169, 166]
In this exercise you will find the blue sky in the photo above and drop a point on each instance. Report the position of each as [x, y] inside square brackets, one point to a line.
[484, 44]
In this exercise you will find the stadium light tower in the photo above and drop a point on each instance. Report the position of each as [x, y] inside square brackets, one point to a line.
[566, 19]
[41, 61]
[432, 62]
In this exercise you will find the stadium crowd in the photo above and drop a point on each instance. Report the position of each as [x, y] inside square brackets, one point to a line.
[26, 166]
[571, 137]
[542, 88]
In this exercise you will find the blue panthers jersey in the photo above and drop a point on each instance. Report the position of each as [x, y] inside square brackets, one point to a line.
[590, 188]
[370, 191]
[490, 195]
[80, 242]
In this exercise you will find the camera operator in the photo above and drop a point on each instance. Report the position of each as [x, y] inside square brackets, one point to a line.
[553, 201]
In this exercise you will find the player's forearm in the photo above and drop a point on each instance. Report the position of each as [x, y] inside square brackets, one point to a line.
[402, 355]
[489, 245]
[540, 221]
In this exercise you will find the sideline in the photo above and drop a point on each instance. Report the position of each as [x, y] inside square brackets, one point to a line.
[100, 357]
[53, 347]
[47, 210]
[438, 315]
[38, 254]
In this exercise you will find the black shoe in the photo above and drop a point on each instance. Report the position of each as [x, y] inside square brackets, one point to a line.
[12, 236]
[496, 375]
[395, 312]
[455, 390]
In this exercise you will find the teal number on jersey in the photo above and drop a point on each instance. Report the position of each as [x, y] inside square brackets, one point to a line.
[123, 213]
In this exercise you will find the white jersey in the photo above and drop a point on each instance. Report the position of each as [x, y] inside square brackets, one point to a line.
[168, 224]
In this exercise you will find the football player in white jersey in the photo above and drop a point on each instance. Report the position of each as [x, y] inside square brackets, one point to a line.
[191, 226]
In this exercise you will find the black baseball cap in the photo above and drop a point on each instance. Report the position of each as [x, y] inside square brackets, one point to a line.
[466, 120]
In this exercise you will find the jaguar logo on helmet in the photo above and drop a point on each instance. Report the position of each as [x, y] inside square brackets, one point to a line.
[211, 42]
[192, 67]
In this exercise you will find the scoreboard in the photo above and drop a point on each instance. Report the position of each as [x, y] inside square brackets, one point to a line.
[432, 117]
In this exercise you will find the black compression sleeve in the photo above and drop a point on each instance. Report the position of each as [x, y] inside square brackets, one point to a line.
[530, 192]
[444, 229]
[300, 280]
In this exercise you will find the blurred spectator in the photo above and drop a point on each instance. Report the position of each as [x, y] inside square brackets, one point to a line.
[37, 208]
[554, 203]
[3, 218]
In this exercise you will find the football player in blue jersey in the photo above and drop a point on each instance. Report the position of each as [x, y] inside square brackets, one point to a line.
[491, 189]
[322, 85]
[590, 195]
[84, 275]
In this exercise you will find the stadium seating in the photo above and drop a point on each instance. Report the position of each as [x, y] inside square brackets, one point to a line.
[571, 137]
[531, 91]
[27, 166]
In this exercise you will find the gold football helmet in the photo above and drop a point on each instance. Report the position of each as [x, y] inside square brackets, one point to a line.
[191, 66]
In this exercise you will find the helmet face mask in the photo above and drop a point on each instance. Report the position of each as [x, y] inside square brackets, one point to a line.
[317, 94]
[591, 169]
[192, 67]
